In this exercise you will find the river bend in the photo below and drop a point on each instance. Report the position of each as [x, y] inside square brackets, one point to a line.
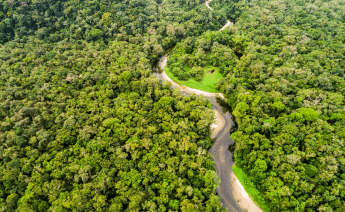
[219, 151]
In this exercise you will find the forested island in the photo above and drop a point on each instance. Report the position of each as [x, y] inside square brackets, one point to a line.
[86, 126]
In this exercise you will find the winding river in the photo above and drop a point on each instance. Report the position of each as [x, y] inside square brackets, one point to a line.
[232, 194]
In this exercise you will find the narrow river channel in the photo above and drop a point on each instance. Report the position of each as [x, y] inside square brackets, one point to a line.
[219, 151]
[232, 195]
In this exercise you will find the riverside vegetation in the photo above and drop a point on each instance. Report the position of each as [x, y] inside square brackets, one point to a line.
[84, 125]
[287, 94]
[286, 89]
[191, 58]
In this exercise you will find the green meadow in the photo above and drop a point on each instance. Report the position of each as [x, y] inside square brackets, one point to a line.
[208, 82]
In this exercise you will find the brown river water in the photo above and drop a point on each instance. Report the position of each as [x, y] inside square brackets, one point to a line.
[231, 193]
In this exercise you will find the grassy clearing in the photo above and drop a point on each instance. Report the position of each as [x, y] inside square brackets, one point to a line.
[208, 82]
[254, 193]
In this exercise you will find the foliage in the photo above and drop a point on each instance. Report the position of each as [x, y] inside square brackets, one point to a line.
[232, 8]
[192, 59]
[207, 83]
[249, 186]
[287, 91]
[83, 124]
[165, 21]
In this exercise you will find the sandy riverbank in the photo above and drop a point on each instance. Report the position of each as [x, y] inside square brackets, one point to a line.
[241, 196]
[231, 192]
[218, 125]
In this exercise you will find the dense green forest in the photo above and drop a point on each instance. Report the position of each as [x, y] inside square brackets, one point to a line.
[190, 56]
[232, 8]
[287, 92]
[84, 126]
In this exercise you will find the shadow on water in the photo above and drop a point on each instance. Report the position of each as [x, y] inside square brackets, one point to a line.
[222, 158]
[155, 66]
[224, 105]
[232, 148]
[226, 108]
